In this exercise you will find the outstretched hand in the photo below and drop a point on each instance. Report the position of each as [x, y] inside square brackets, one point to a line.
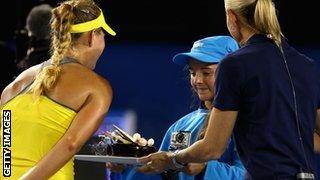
[155, 163]
[194, 168]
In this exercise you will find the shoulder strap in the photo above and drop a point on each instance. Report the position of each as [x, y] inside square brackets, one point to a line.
[27, 87]
[46, 63]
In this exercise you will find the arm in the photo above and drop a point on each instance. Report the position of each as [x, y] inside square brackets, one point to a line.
[213, 144]
[316, 134]
[81, 129]
[231, 169]
[218, 133]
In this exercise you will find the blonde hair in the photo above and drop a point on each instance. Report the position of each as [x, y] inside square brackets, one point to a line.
[259, 15]
[67, 13]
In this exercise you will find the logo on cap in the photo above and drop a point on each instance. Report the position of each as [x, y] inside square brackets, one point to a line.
[197, 45]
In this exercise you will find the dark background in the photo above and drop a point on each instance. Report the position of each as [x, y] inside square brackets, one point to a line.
[137, 62]
[175, 20]
[149, 33]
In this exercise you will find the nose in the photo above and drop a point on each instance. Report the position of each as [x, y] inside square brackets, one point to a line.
[198, 78]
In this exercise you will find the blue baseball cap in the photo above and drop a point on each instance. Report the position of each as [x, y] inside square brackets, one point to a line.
[208, 50]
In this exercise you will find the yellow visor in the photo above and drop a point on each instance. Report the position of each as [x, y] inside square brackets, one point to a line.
[93, 24]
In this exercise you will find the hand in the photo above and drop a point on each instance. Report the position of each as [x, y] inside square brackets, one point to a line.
[118, 168]
[155, 163]
[194, 168]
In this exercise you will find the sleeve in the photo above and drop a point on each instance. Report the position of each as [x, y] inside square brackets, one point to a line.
[224, 170]
[229, 79]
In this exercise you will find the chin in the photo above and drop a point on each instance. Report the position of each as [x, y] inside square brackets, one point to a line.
[205, 97]
[92, 66]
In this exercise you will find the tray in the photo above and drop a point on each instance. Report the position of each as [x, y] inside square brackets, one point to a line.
[112, 159]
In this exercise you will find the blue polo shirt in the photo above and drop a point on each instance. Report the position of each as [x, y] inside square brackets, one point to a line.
[228, 167]
[254, 82]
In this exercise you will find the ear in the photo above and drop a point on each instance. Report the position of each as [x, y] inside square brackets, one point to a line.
[232, 16]
[90, 38]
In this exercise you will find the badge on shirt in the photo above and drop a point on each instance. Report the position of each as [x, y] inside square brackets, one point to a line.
[180, 140]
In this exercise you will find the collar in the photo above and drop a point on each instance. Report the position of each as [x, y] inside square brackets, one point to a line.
[258, 38]
[202, 105]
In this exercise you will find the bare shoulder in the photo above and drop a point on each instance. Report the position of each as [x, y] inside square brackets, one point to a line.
[101, 92]
[83, 83]
[16, 86]
[101, 87]
[88, 79]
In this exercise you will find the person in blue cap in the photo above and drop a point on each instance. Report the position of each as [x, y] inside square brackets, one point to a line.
[202, 62]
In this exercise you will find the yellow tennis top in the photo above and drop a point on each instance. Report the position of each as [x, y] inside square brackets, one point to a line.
[35, 128]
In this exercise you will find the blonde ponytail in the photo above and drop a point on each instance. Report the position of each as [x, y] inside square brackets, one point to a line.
[266, 21]
[61, 42]
[259, 15]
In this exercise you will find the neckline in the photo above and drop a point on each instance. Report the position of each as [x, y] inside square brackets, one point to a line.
[45, 97]
[245, 42]
[58, 103]
[258, 38]
[67, 59]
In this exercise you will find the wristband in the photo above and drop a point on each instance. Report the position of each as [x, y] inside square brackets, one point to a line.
[177, 164]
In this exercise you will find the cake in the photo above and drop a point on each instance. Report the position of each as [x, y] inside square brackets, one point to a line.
[120, 143]
[130, 150]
